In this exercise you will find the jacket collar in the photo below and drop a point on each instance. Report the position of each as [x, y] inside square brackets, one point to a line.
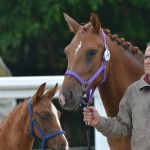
[143, 83]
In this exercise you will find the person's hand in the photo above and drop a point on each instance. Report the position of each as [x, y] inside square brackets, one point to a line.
[91, 116]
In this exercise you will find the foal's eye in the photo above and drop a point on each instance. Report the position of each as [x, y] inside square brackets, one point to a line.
[91, 53]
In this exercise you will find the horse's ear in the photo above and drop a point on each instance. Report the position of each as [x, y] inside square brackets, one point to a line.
[39, 92]
[73, 25]
[51, 92]
[95, 22]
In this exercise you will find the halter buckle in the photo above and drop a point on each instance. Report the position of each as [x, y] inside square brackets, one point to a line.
[85, 86]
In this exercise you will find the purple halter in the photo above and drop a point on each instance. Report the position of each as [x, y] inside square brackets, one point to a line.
[86, 84]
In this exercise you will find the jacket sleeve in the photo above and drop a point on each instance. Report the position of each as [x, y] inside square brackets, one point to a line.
[120, 126]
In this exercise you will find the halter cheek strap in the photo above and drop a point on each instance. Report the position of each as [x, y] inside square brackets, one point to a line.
[86, 84]
[33, 123]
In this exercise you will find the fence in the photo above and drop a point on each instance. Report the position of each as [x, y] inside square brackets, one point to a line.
[21, 87]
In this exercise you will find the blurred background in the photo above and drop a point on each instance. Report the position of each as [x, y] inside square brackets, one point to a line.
[33, 35]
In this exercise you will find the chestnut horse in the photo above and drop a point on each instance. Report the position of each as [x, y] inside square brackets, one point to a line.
[36, 117]
[96, 58]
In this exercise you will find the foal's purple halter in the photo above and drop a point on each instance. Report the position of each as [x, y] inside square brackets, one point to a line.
[86, 84]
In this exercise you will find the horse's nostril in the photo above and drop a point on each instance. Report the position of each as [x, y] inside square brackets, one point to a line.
[70, 94]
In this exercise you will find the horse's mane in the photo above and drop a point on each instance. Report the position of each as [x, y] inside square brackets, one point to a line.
[120, 41]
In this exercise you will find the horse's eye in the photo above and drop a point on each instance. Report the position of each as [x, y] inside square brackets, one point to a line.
[91, 53]
[43, 117]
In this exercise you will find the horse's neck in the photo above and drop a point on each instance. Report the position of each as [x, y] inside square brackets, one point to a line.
[123, 70]
[13, 131]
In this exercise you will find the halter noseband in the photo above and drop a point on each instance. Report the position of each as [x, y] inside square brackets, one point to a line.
[33, 122]
[86, 84]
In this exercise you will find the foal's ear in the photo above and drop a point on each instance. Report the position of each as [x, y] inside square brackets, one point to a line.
[39, 92]
[95, 22]
[73, 25]
[51, 92]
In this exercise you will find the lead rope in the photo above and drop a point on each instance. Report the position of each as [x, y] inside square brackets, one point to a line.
[87, 129]
[90, 96]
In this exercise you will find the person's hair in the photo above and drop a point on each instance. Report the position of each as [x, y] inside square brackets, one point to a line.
[148, 44]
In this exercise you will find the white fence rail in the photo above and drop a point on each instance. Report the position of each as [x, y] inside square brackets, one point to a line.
[21, 87]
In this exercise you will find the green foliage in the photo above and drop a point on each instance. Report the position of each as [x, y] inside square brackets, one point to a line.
[34, 33]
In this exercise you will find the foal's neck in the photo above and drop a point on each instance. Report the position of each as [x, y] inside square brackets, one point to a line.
[15, 129]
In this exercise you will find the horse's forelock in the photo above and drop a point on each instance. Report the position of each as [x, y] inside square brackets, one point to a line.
[86, 26]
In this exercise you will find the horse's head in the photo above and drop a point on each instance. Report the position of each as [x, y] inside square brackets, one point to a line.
[85, 55]
[46, 117]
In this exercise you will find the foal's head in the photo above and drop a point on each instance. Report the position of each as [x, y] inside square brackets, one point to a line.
[45, 114]
[85, 55]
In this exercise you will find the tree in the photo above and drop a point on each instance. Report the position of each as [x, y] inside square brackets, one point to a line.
[33, 33]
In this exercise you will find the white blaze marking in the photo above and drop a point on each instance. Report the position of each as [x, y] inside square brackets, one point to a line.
[78, 47]
[54, 110]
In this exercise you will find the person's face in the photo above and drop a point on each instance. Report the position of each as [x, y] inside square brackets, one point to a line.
[147, 61]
